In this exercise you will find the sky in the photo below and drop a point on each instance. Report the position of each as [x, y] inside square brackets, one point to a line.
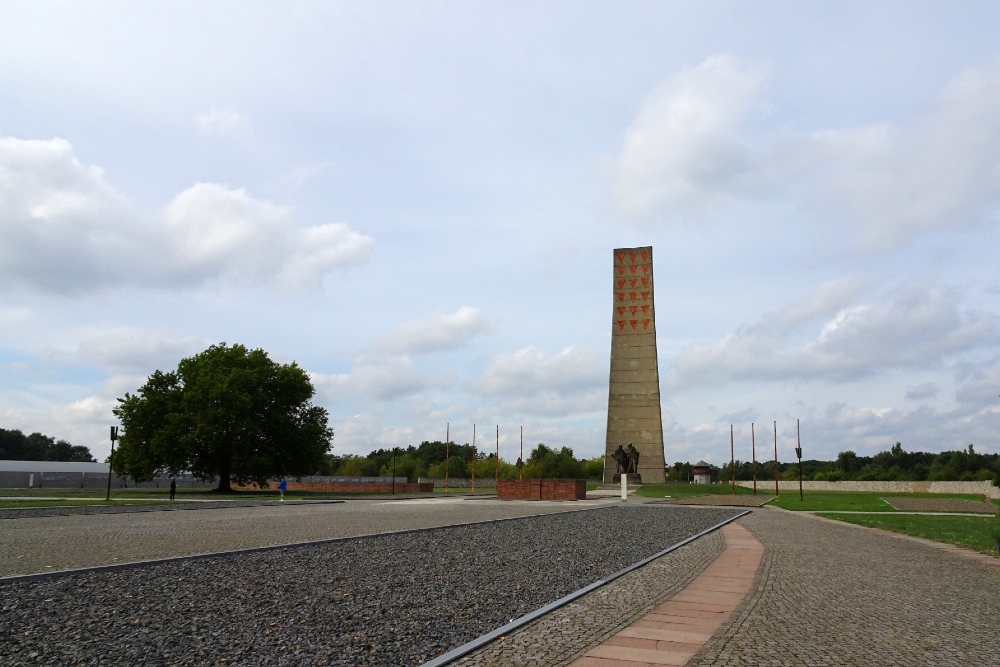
[418, 203]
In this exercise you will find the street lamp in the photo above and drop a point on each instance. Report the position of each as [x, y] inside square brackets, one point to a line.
[114, 436]
[393, 471]
[798, 453]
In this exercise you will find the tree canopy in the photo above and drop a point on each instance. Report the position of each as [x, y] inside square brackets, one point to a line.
[227, 412]
[16, 446]
[428, 460]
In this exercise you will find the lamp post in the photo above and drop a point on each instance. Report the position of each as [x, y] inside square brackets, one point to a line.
[776, 491]
[497, 461]
[447, 441]
[394, 470]
[114, 436]
[520, 458]
[473, 458]
[798, 453]
[732, 461]
[753, 455]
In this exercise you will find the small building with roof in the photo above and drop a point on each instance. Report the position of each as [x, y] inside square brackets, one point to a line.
[702, 473]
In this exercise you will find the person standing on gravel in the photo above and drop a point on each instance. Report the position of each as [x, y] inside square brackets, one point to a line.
[282, 485]
[173, 488]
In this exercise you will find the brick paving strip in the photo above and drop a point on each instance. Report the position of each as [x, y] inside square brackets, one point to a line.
[674, 631]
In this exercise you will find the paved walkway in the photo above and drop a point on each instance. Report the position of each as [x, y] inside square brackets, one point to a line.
[678, 628]
[46, 544]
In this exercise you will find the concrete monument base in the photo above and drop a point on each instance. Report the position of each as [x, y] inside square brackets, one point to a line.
[633, 479]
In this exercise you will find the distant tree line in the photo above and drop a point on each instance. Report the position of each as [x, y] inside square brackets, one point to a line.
[428, 460]
[893, 465]
[16, 446]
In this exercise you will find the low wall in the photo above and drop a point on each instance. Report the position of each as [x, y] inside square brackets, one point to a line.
[361, 487]
[460, 482]
[976, 488]
[542, 489]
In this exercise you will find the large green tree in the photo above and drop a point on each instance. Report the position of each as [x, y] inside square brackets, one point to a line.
[227, 412]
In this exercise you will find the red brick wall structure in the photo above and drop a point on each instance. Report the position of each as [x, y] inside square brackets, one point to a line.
[542, 489]
[361, 487]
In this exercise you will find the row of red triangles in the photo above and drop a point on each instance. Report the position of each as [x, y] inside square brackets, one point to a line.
[632, 295]
[632, 282]
[621, 269]
[621, 310]
[631, 255]
[645, 324]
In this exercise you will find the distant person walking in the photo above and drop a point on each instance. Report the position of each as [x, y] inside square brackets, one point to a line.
[282, 485]
[173, 488]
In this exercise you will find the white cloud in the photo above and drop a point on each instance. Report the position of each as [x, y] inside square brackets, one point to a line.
[922, 391]
[918, 327]
[63, 228]
[980, 391]
[889, 182]
[441, 332]
[140, 353]
[683, 146]
[529, 381]
[939, 171]
[378, 377]
[224, 123]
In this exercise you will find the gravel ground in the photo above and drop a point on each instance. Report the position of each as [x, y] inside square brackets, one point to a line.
[381, 600]
[939, 505]
[73, 510]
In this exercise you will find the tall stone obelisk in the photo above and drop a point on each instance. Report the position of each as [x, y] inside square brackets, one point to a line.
[634, 387]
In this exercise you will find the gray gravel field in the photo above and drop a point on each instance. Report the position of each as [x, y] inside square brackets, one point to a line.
[382, 600]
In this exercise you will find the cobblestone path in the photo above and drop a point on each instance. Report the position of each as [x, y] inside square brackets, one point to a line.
[832, 594]
[46, 544]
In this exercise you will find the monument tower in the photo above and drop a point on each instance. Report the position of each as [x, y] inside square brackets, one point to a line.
[634, 386]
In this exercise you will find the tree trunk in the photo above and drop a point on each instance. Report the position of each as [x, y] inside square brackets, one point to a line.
[225, 470]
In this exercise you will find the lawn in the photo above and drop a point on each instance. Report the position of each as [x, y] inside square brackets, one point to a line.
[972, 532]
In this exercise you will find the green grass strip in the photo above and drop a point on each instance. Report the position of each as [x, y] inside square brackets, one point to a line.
[972, 532]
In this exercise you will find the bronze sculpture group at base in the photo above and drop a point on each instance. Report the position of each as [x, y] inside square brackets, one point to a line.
[627, 463]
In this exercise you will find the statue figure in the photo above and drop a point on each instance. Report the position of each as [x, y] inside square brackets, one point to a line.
[632, 455]
[621, 459]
